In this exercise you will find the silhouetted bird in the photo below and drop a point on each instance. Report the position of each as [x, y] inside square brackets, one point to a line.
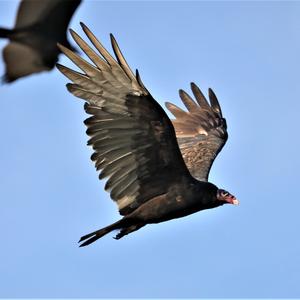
[135, 144]
[33, 40]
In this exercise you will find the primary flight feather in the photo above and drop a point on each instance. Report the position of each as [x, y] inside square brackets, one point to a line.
[150, 177]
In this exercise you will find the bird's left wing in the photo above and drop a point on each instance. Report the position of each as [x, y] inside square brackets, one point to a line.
[201, 131]
[133, 139]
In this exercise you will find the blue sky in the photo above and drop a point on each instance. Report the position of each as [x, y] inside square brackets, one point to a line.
[248, 52]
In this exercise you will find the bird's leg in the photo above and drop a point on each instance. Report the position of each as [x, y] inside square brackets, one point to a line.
[127, 230]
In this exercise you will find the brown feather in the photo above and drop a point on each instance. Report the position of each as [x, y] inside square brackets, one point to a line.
[133, 139]
[201, 132]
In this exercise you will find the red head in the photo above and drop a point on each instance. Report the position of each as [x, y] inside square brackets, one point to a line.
[226, 197]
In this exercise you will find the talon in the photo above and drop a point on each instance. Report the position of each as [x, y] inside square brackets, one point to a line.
[118, 236]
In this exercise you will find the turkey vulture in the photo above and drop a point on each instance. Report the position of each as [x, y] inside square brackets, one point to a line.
[135, 144]
[33, 40]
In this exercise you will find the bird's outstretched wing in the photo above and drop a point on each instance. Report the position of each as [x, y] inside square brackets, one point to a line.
[201, 131]
[133, 139]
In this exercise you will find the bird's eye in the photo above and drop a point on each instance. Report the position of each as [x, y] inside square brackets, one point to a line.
[225, 194]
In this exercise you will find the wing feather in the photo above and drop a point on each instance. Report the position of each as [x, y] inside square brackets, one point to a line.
[214, 102]
[175, 110]
[201, 131]
[96, 59]
[133, 139]
[121, 60]
[88, 68]
[200, 98]
[187, 101]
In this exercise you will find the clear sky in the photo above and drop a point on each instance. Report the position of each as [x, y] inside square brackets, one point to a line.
[248, 52]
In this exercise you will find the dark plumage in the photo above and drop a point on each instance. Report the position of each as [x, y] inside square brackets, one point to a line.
[33, 41]
[201, 131]
[135, 144]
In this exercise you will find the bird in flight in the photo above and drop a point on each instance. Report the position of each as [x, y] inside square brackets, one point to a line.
[157, 169]
[32, 42]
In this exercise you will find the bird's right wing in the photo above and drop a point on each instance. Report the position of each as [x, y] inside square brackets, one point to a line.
[201, 131]
[133, 139]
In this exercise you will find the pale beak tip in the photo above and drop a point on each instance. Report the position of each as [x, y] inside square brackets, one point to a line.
[235, 202]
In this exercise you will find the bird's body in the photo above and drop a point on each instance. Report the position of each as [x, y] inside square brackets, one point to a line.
[182, 199]
[33, 41]
[150, 178]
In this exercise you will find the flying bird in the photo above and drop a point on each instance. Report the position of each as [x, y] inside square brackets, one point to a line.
[152, 175]
[33, 41]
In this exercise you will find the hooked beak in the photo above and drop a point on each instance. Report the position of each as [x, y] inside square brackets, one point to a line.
[233, 201]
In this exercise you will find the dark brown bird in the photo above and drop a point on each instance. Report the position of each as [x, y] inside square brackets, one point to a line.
[33, 41]
[135, 144]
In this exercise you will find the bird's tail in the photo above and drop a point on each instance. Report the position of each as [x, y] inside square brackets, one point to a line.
[8, 33]
[5, 33]
[93, 236]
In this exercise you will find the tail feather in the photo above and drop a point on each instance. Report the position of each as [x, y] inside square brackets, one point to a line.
[5, 78]
[5, 33]
[94, 236]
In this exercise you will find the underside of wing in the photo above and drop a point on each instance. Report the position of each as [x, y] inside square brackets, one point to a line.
[201, 131]
[133, 139]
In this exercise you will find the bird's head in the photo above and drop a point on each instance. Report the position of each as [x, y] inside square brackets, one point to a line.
[226, 197]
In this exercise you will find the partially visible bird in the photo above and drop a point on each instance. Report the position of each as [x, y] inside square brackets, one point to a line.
[33, 41]
[135, 144]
